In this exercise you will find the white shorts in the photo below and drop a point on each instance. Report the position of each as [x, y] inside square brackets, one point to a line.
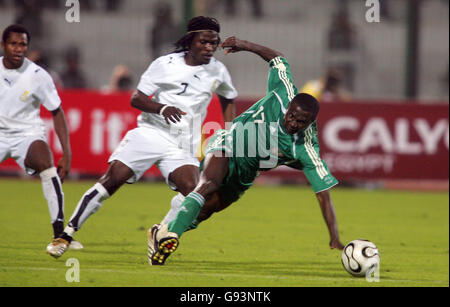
[16, 147]
[142, 147]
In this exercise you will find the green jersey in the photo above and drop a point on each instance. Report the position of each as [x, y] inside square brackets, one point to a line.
[257, 140]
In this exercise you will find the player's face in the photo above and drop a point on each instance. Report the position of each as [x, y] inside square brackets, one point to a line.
[203, 47]
[15, 49]
[296, 120]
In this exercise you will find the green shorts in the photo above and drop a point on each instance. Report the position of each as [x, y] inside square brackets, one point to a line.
[239, 178]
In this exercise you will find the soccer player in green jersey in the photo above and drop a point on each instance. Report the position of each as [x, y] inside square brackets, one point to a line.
[280, 129]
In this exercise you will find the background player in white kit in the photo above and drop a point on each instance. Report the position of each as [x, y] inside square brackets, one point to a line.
[24, 86]
[182, 84]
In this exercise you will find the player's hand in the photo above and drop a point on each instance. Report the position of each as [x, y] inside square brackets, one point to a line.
[335, 243]
[173, 114]
[233, 44]
[64, 167]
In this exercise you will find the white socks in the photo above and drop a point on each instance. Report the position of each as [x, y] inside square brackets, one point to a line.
[176, 202]
[52, 188]
[91, 201]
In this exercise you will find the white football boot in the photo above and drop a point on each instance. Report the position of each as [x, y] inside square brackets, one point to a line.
[151, 243]
[57, 248]
[163, 243]
[75, 245]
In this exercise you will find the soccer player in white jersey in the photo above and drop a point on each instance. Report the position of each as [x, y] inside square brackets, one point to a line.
[24, 86]
[182, 84]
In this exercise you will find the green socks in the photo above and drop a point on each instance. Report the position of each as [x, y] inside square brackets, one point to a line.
[189, 210]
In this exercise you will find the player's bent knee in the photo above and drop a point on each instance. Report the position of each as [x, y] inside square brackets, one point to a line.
[117, 174]
[187, 187]
[111, 183]
[39, 160]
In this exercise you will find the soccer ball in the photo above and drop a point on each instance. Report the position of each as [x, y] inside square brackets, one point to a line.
[360, 257]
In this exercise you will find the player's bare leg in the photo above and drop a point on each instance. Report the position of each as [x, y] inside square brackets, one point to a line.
[216, 203]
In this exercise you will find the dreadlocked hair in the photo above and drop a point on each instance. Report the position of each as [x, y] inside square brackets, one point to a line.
[196, 24]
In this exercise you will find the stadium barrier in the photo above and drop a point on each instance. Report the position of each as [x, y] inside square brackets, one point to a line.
[359, 141]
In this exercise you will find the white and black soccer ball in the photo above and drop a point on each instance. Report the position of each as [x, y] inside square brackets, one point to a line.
[360, 257]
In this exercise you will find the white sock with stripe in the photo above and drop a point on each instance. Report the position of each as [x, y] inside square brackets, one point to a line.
[175, 205]
[52, 188]
[91, 201]
[187, 213]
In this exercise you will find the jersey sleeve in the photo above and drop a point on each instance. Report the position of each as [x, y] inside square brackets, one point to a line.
[226, 88]
[148, 83]
[312, 165]
[47, 93]
[280, 79]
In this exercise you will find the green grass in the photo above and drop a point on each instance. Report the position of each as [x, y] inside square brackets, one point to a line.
[273, 237]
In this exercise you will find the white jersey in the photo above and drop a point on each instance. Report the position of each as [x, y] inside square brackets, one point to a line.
[22, 91]
[189, 88]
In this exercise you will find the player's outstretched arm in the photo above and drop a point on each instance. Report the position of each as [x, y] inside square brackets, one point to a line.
[60, 124]
[328, 212]
[233, 44]
[141, 102]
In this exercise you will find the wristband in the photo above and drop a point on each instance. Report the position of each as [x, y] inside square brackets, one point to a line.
[162, 110]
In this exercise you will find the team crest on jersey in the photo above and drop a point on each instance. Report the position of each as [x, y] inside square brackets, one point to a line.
[24, 96]
[213, 88]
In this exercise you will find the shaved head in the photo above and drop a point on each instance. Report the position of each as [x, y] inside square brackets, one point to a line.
[307, 103]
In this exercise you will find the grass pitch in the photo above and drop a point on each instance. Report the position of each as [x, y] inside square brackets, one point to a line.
[273, 237]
